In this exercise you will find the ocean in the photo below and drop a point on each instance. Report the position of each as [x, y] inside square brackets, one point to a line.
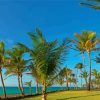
[15, 90]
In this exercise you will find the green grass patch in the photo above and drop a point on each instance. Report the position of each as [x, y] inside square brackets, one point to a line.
[70, 95]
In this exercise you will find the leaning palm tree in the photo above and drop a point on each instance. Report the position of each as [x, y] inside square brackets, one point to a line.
[2, 64]
[46, 58]
[95, 4]
[17, 65]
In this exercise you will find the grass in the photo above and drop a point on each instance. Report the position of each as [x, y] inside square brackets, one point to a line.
[70, 95]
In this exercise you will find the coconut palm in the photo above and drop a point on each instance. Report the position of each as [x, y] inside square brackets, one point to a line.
[78, 44]
[34, 73]
[63, 76]
[95, 73]
[2, 64]
[88, 41]
[29, 84]
[79, 66]
[84, 75]
[17, 65]
[95, 4]
[46, 58]
[89, 45]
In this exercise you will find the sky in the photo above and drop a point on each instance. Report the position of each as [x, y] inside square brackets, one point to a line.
[57, 19]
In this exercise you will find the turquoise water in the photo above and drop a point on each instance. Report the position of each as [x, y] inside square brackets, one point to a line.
[15, 90]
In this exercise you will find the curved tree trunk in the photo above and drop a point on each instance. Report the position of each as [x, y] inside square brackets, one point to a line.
[44, 91]
[4, 90]
[89, 59]
[19, 85]
[36, 87]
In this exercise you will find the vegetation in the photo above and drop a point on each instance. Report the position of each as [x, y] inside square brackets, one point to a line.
[70, 95]
[95, 4]
[46, 60]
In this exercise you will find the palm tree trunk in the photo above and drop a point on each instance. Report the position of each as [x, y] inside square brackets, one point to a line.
[81, 77]
[22, 83]
[19, 85]
[44, 91]
[36, 87]
[4, 90]
[77, 79]
[89, 59]
[86, 82]
[83, 58]
[67, 84]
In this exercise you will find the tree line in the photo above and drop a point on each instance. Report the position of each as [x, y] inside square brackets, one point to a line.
[46, 60]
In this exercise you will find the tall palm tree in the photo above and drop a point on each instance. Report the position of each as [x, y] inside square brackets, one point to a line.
[79, 66]
[95, 4]
[2, 64]
[90, 44]
[46, 58]
[17, 65]
[88, 41]
[78, 44]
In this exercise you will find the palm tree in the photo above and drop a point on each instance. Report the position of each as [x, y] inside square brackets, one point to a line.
[2, 64]
[65, 73]
[34, 73]
[90, 44]
[17, 65]
[78, 44]
[88, 41]
[46, 58]
[29, 84]
[79, 66]
[95, 4]
[84, 75]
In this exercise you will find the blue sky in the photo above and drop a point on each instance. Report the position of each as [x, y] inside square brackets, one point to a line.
[56, 18]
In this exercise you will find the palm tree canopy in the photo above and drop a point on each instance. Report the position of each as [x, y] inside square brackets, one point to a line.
[95, 73]
[84, 74]
[46, 56]
[97, 59]
[87, 39]
[17, 63]
[79, 66]
[3, 59]
[29, 84]
[2, 50]
[84, 41]
[95, 4]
